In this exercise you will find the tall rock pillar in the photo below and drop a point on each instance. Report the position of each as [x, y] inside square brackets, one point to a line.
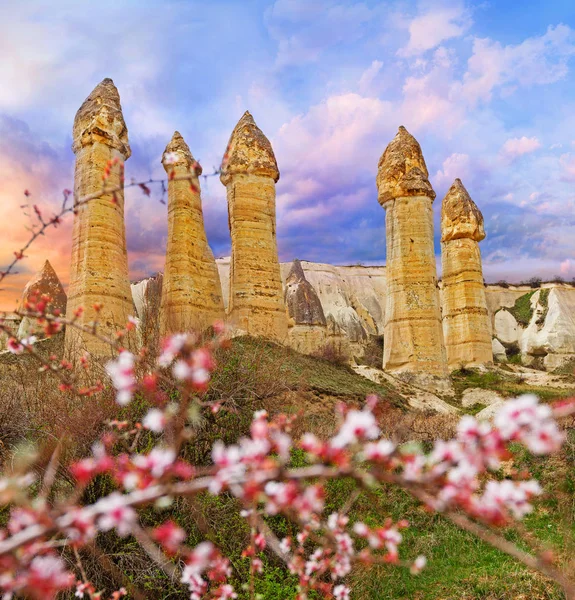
[466, 323]
[99, 269]
[250, 172]
[413, 338]
[191, 289]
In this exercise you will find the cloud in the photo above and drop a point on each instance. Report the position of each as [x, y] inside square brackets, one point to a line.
[538, 60]
[515, 147]
[29, 164]
[567, 162]
[454, 166]
[367, 77]
[436, 25]
[565, 267]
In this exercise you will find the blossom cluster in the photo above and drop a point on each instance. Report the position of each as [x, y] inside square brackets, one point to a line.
[456, 474]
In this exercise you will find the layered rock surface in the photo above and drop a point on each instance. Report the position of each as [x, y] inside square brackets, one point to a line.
[99, 268]
[352, 301]
[191, 291]
[249, 172]
[308, 331]
[466, 322]
[44, 282]
[413, 331]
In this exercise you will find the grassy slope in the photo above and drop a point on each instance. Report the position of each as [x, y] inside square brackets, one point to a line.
[255, 374]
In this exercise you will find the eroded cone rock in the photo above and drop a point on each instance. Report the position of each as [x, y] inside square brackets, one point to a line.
[413, 331]
[308, 332]
[99, 268]
[249, 172]
[302, 302]
[44, 282]
[191, 290]
[466, 322]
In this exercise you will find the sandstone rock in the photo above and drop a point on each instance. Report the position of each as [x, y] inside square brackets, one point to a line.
[99, 268]
[249, 172]
[308, 332]
[551, 331]
[498, 349]
[45, 281]
[499, 297]
[507, 329]
[416, 398]
[490, 411]
[146, 295]
[473, 396]
[466, 323]
[12, 321]
[413, 331]
[191, 290]
[352, 295]
[302, 302]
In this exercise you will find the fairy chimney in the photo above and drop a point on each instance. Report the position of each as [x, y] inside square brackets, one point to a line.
[99, 268]
[44, 283]
[412, 330]
[191, 289]
[249, 172]
[466, 323]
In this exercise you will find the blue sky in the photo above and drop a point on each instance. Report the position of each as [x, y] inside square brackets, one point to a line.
[486, 87]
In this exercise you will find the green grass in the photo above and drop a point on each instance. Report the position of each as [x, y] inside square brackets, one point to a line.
[506, 385]
[522, 310]
[251, 358]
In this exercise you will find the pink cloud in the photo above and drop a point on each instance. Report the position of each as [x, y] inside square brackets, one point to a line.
[537, 60]
[454, 166]
[515, 147]
[428, 30]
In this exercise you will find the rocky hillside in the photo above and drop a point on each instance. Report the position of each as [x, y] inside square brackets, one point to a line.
[535, 326]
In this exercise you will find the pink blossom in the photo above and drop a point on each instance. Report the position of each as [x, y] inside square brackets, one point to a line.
[358, 425]
[47, 576]
[169, 535]
[121, 371]
[418, 565]
[155, 420]
[341, 592]
[156, 462]
[171, 347]
[115, 514]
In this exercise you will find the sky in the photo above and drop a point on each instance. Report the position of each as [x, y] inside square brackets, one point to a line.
[486, 87]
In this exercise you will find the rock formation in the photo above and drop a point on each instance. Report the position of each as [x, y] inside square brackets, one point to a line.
[413, 331]
[466, 323]
[249, 172]
[308, 325]
[44, 282]
[191, 290]
[99, 269]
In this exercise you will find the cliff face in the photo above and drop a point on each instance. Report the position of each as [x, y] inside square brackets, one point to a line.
[353, 301]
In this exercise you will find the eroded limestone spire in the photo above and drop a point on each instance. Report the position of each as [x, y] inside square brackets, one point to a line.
[249, 172]
[460, 217]
[44, 282]
[412, 330]
[100, 119]
[402, 171]
[249, 151]
[191, 289]
[99, 268]
[466, 323]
